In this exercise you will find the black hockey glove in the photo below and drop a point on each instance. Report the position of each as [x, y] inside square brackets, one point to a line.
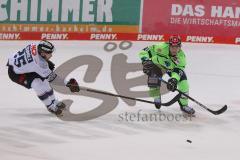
[51, 65]
[73, 85]
[148, 65]
[172, 84]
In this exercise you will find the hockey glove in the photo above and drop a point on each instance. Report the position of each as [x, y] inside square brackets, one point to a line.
[172, 84]
[147, 67]
[73, 85]
[51, 65]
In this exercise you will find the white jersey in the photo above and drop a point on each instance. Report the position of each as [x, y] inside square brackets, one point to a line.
[28, 60]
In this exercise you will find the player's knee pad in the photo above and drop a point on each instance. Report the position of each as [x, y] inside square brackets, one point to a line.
[183, 86]
[154, 92]
[41, 87]
[46, 85]
[183, 101]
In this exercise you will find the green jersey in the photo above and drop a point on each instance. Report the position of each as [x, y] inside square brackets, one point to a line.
[160, 56]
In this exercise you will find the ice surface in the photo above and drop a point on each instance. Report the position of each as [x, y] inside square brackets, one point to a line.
[29, 132]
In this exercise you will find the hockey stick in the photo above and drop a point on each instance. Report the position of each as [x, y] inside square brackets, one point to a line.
[217, 112]
[176, 98]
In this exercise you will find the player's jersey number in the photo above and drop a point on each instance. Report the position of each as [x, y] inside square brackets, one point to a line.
[23, 57]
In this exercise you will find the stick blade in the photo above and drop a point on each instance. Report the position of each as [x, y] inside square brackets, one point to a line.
[220, 111]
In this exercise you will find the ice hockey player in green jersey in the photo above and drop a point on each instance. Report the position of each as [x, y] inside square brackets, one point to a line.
[169, 58]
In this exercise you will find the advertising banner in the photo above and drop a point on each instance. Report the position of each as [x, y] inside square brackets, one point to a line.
[70, 16]
[113, 37]
[138, 20]
[192, 17]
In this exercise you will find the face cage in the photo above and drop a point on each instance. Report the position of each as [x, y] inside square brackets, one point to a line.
[176, 45]
[42, 51]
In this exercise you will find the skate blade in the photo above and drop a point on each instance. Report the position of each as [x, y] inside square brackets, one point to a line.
[188, 115]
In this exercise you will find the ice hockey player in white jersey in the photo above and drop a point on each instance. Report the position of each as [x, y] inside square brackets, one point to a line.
[32, 68]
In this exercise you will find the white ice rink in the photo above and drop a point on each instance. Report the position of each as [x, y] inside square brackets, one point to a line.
[29, 132]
